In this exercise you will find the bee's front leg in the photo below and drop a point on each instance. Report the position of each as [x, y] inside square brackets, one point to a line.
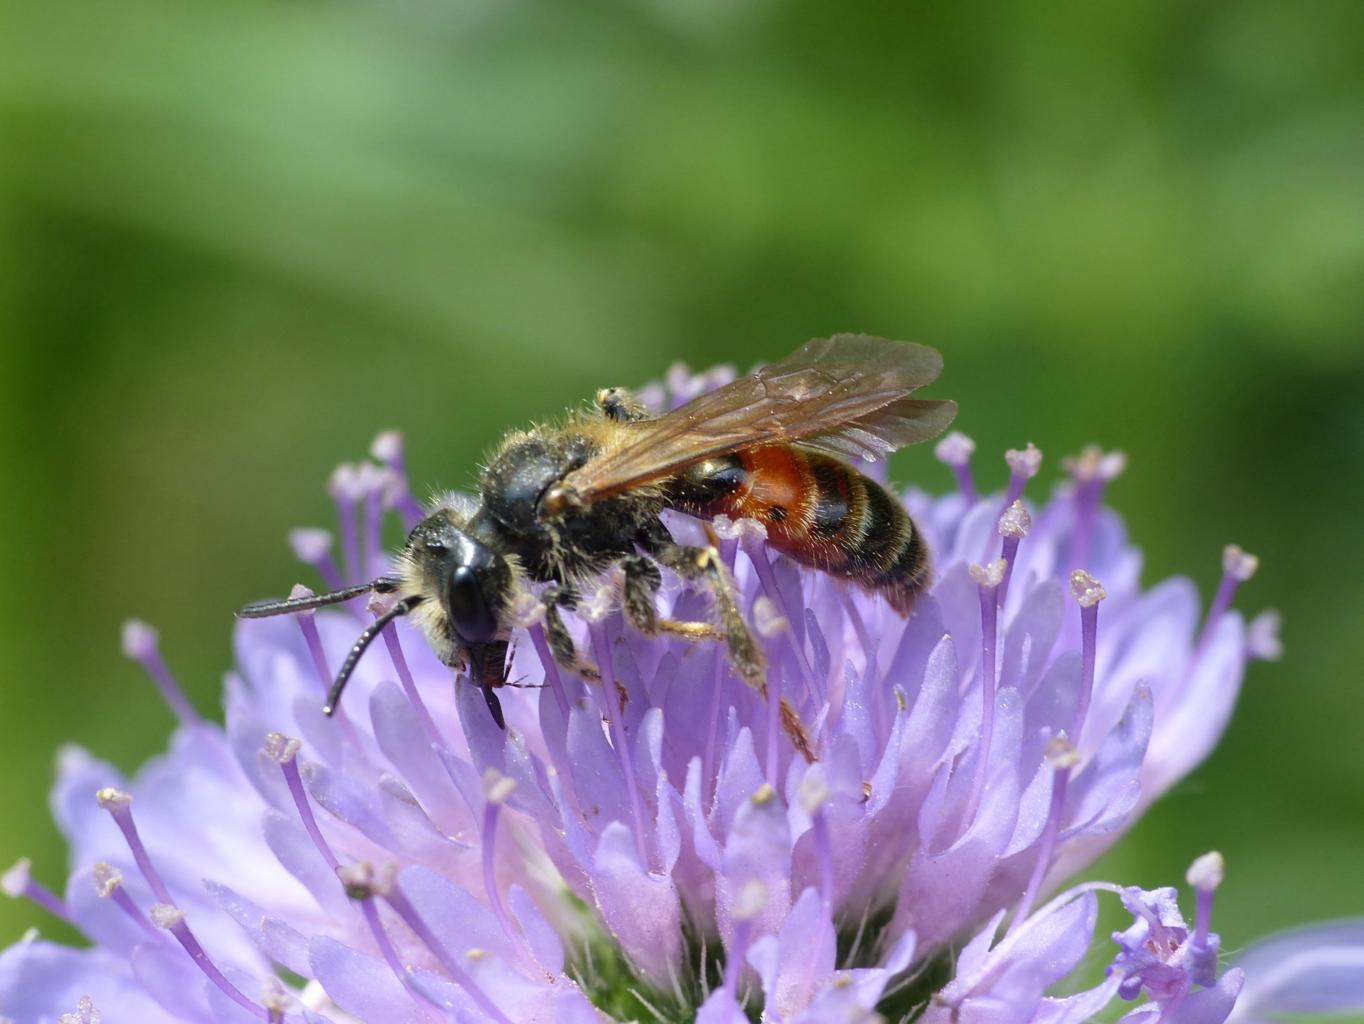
[561, 644]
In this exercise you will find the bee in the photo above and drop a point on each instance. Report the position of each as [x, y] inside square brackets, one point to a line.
[563, 505]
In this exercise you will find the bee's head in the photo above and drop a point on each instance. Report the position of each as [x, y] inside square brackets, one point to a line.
[445, 567]
[467, 578]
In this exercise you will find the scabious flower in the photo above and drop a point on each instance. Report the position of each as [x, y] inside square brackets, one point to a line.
[653, 848]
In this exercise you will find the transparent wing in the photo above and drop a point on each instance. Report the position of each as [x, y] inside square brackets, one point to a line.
[845, 395]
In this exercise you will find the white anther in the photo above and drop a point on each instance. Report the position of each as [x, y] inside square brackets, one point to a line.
[85, 1013]
[497, 787]
[1024, 463]
[275, 998]
[718, 376]
[281, 748]
[813, 792]
[1015, 522]
[361, 879]
[1093, 463]
[344, 483]
[476, 953]
[310, 546]
[738, 529]
[14, 882]
[387, 446]
[991, 575]
[107, 879]
[1262, 636]
[139, 640]
[298, 592]
[681, 382]
[110, 797]
[751, 901]
[1238, 564]
[1061, 753]
[1086, 589]
[766, 619]
[1206, 873]
[167, 915]
[955, 449]
[378, 604]
[370, 478]
[763, 795]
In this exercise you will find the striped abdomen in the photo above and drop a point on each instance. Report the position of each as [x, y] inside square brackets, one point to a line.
[818, 510]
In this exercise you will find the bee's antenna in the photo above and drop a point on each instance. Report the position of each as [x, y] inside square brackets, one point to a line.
[263, 609]
[358, 648]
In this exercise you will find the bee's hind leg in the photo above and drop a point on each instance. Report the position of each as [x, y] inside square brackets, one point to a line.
[703, 564]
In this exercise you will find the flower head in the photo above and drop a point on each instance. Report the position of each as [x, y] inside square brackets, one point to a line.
[653, 846]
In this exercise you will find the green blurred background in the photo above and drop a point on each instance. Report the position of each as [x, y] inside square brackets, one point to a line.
[238, 238]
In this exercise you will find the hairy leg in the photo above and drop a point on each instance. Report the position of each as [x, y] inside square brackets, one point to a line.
[561, 644]
[703, 564]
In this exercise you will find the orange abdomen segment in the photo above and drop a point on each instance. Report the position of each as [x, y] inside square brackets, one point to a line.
[818, 510]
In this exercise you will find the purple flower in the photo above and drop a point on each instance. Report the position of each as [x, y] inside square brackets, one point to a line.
[654, 847]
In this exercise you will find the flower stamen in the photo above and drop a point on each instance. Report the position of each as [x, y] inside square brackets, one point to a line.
[108, 882]
[1205, 875]
[400, 903]
[141, 644]
[344, 487]
[955, 451]
[86, 1013]
[1023, 466]
[812, 794]
[1238, 566]
[313, 548]
[376, 484]
[377, 605]
[753, 541]
[1014, 525]
[1091, 471]
[120, 806]
[750, 902]
[388, 448]
[1088, 592]
[19, 883]
[547, 662]
[1063, 758]
[496, 789]
[170, 917]
[284, 750]
[307, 624]
[988, 579]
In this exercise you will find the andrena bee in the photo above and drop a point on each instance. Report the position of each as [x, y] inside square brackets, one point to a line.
[562, 505]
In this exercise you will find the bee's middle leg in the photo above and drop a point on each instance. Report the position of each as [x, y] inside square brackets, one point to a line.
[642, 580]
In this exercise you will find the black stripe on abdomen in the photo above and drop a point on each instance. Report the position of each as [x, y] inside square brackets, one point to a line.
[832, 503]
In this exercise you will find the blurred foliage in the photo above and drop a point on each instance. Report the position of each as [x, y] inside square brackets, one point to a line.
[237, 239]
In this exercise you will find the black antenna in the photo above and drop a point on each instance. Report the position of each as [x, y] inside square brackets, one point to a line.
[358, 648]
[264, 609]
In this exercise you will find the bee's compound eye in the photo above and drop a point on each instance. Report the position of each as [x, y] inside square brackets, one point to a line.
[470, 612]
